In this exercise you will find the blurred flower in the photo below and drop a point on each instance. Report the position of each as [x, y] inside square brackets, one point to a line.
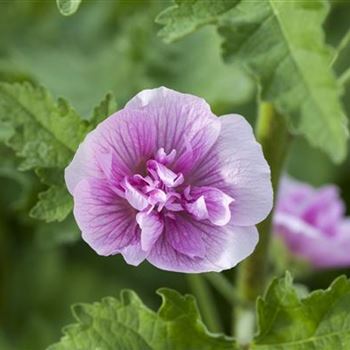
[311, 222]
[165, 180]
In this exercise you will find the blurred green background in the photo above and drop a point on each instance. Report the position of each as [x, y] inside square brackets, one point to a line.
[109, 46]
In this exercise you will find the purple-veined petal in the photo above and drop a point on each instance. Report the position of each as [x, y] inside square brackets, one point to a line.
[225, 247]
[114, 149]
[112, 169]
[135, 198]
[198, 208]
[164, 158]
[184, 237]
[236, 166]
[168, 177]
[217, 204]
[185, 123]
[151, 225]
[107, 222]
[84, 163]
[133, 253]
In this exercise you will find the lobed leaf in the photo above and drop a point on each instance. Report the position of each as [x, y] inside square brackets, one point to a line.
[188, 15]
[45, 133]
[104, 109]
[319, 321]
[290, 61]
[53, 204]
[126, 323]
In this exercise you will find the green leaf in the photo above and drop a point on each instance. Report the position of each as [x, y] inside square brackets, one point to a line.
[290, 61]
[68, 7]
[128, 324]
[54, 204]
[319, 321]
[105, 108]
[188, 15]
[44, 133]
[47, 132]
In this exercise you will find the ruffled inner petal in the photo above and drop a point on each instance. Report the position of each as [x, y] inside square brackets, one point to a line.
[198, 208]
[168, 177]
[136, 198]
[152, 226]
[214, 202]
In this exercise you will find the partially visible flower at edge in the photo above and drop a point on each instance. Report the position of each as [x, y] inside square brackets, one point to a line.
[312, 224]
[165, 180]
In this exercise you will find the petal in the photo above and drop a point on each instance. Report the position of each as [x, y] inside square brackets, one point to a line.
[154, 119]
[324, 209]
[184, 122]
[84, 164]
[107, 222]
[293, 195]
[168, 177]
[151, 228]
[164, 158]
[198, 208]
[184, 237]
[112, 169]
[115, 149]
[236, 165]
[217, 204]
[135, 198]
[133, 253]
[314, 245]
[333, 251]
[225, 246]
[320, 208]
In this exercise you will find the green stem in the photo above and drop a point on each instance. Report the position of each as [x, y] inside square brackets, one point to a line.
[344, 79]
[223, 286]
[272, 133]
[344, 42]
[205, 302]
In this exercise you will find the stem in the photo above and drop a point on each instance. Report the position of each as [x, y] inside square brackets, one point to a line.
[223, 286]
[344, 42]
[205, 302]
[344, 79]
[272, 133]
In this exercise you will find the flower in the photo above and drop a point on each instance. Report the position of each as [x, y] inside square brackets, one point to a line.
[312, 224]
[165, 180]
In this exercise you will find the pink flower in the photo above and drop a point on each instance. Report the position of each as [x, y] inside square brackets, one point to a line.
[311, 221]
[165, 180]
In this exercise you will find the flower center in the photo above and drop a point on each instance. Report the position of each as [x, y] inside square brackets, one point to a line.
[162, 191]
[158, 189]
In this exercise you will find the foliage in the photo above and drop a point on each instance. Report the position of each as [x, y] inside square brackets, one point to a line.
[318, 321]
[285, 321]
[111, 49]
[128, 324]
[45, 134]
[291, 61]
